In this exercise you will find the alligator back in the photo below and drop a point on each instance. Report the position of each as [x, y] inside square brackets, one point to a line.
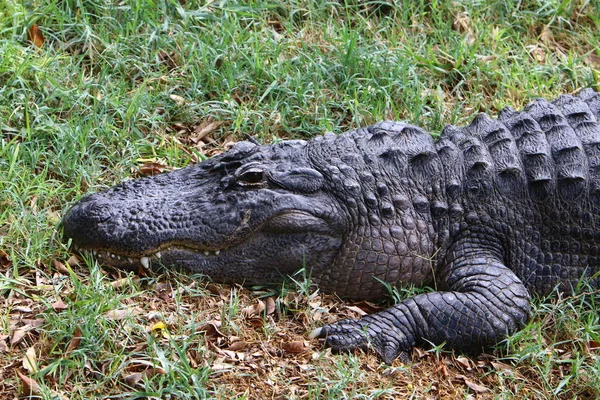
[533, 178]
[525, 186]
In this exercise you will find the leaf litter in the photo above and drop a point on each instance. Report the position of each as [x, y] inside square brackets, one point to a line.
[259, 351]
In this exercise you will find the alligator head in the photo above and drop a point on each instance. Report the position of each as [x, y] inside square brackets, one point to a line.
[251, 215]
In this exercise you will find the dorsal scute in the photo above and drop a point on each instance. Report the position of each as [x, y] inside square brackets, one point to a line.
[570, 161]
[592, 99]
[535, 152]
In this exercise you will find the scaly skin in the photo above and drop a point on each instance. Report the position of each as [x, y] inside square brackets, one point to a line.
[488, 214]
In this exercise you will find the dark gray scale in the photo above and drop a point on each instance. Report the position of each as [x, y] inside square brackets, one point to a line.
[592, 99]
[452, 159]
[534, 150]
[479, 165]
[503, 151]
[583, 113]
[567, 151]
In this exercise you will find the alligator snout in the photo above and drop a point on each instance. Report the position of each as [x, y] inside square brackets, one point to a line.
[82, 220]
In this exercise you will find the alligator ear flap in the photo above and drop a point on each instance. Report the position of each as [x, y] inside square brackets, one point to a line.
[304, 180]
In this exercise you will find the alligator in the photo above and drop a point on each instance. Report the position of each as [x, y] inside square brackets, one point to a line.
[488, 215]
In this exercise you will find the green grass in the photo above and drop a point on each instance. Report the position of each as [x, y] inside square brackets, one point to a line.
[119, 83]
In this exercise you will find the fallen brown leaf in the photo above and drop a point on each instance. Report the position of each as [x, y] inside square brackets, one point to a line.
[237, 346]
[135, 378]
[30, 360]
[593, 60]
[60, 267]
[29, 386]
[211, 329]
[500, 366]
[23, 309]
[356, 310]
[538, 54]
[294, 347]
[473, 386]
[123, 313]
[73, 261]
[254, 309]
[59, 305]
[19, 334]
[4, 260]
[204, 129]
[74, 342]
[270, 305]
[152, 168]
[35, 36]
[592, 345]
[177, 99]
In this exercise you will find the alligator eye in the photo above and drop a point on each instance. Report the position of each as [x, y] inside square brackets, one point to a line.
[252, 177]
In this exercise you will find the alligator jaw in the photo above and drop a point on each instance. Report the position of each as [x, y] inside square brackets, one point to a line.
[132, 262]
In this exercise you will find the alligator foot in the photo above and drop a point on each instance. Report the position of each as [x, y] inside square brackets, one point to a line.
[349, 335]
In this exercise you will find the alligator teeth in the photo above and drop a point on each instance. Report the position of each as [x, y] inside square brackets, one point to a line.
[217, 252]
[130, 260]
[206, 253]
[158, 255]
[145, 261]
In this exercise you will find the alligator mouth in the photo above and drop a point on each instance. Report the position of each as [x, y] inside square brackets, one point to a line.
[131, 262]
[167, 253]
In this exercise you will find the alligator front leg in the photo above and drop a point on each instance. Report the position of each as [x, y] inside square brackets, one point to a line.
[484, 303]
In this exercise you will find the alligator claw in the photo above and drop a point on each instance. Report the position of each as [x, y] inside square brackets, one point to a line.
[350, 335]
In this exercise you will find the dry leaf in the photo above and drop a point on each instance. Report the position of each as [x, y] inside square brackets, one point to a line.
[270, 305]
[356, 310]
[118, 315]
[135, 378]
[59, 305]
[152, 168]
[294, 347]
[23, 309]
[592, 60]
[473, 386]
[3, 345]
[464, 361]
[237, 346]
[546, 36]
[18, 335]
[500, 366]
[254, 309]
[205, 128]
[73, 261]
[177, 99]
[34, 34]
[60, 267]
[211, 329]
[29, 386]
[4, 260]
[75, 341]
[538, 54]
[30, 360]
